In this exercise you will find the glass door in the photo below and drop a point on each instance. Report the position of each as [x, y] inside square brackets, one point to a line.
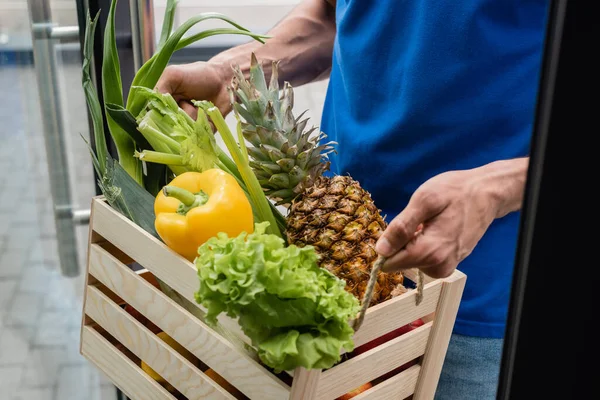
[46, 182]
[55, 44]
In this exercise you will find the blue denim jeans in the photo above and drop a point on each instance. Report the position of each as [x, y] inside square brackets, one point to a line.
[471, 369]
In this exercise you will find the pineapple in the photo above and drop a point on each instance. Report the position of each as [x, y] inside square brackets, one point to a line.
[285, 158]
[340, 220]
[333, 214]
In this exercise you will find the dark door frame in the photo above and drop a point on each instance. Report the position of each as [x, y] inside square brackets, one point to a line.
[551, 298]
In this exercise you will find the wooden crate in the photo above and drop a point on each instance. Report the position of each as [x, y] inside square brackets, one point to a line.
[115, 339]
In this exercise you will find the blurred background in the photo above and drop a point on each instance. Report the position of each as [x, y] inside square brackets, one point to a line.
[47, 180]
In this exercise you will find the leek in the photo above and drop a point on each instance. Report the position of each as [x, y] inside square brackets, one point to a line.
[121, 191]
[99, 158]
[113, 93]
[147, 76]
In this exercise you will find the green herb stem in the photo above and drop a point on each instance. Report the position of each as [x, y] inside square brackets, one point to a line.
[160, 158]
[254, 189]
[167, 25]
[158, 140]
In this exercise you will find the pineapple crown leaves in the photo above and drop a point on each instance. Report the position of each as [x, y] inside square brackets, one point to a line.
[286, 156]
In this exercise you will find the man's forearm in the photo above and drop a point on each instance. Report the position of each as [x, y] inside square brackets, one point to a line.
[302, 43]
[504, 182]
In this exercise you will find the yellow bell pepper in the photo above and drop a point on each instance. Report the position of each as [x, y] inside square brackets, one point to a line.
[196, 206]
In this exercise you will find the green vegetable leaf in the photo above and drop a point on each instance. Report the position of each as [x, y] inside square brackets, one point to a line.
[296, 313]
[167, 24]
[91, 97]
[154, 174]
[239, 154]
[199, 151]
[148, 75]
[127, 122]
[113, 93]
[135, 202]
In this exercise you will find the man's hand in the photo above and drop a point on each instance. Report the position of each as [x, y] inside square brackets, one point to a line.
[447, 216]
[302, 42]
[196, 81]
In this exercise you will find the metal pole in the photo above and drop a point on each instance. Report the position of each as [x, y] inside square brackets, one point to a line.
[45, 67]
[142, 31]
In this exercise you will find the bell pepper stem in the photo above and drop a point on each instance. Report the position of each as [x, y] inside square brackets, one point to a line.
[185, 196]
[188, 199]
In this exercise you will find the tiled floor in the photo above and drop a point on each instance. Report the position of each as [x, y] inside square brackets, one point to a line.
[40, 310]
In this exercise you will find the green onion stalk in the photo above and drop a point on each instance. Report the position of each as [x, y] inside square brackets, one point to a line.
[124, 134]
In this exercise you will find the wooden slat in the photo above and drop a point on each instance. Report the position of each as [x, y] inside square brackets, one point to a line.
[168, 266]
[437, 346]
[126, 375]
[397, 387]
[116, 252]
[305, 384]
[212, 349]
[397, 312]
[412, 275]
[161, 357]
[93, 237]
[152, 254]
[367, 366]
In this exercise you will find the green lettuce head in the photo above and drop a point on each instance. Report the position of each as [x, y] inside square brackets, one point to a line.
[296, 313]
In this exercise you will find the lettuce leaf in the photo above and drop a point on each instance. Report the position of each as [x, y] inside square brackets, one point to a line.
[296, 313]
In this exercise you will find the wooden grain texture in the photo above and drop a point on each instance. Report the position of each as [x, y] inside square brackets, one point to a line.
[116, 252]
[89, 280]
[235, 366]
[412, 275]
[152, 254]
[177, 272]
[397, 312]
[397, 387]
[162, 358]
[367, 366]
[126, 375]
[305, 384]
[440, 302]
[443, 323]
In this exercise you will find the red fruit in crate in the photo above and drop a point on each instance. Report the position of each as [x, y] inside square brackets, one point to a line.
[356, 391]
[407, 328]
[387, 337]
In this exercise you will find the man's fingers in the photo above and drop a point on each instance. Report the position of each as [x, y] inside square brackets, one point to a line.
[402, 229]
[423, 206]
[189, 108]
[428, 253]
[170, 80]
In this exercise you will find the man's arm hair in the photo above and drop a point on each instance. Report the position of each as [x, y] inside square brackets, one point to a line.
[302, 42]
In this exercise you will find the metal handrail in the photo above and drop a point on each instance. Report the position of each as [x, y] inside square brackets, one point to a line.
[142, 30]
[45, 35]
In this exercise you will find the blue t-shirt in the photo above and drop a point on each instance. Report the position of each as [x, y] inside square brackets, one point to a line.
[420, 87]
